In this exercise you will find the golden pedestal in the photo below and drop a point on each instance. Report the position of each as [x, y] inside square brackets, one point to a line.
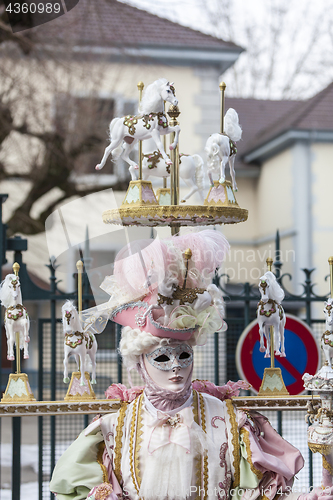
[139, 193]
[18, 389]
[221, 195]
[163, 196]
[272, 383]
[77, 392]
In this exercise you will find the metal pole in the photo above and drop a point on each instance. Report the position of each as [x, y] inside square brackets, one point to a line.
[222, 89]
[16, 424]
[216, 359]
[53, 287]
[165, 180]
[16, 462]
[119, 362]
[330, 261]
[40, 419]
[174, 176]
[3, 246]
[140, 87]
[79, 267]
[269, 263]
[16, 268]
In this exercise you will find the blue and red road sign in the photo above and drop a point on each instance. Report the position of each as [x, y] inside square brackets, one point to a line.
[302, 355]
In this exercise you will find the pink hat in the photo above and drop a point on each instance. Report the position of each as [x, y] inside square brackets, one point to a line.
[131, 315]
[167, 285]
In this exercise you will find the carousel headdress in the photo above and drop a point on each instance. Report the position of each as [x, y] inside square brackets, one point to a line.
[169, 284]
[164, 287]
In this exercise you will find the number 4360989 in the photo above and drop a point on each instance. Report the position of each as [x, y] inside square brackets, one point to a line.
[24, 8]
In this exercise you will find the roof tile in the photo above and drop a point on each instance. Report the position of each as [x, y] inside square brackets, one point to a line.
[112, 23]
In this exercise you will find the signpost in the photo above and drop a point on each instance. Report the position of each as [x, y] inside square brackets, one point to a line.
[302, 355]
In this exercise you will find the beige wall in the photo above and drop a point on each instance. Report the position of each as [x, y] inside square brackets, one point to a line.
[322, 222]
[275, 195]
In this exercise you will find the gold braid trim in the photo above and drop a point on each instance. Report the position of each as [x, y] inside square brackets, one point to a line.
[100, 452]
[205, 457]
[327, 465]
[235, 442]
[195, 406]
[131, 445]
[119, 441]
[138, 440]
[245, 435]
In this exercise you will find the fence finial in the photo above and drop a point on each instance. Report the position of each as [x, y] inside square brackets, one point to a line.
[16, 268]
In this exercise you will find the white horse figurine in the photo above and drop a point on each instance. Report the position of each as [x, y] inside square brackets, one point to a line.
[190, 169]
[16, 316]
[221, 149]
[171, 295]
[271, 313]
[152, 122]
[77, 343]
[327, 337]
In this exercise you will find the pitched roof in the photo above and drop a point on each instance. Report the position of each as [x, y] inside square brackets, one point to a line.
[314, 114]
[111, 23]
[255, 117]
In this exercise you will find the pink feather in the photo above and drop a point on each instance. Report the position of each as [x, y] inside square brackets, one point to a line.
[140, 266]
[209, 249]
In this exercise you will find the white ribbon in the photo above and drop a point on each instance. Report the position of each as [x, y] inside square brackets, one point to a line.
[171, 429]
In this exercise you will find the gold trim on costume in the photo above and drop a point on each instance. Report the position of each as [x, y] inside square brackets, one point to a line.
[138, 440]
[119, 442]
[99, 459]
[195, 407]
[205, 457]
[135, 442]
[131, 446]
[202, 412]
[235, 443]
[197, 460]
[245, 435]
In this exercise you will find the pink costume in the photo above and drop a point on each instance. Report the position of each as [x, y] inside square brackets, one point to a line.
[164, 443]
[215, 451]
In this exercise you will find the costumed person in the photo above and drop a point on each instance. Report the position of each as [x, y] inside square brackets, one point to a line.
[173, 438]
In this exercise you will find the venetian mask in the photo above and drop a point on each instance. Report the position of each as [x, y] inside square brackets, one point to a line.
[170, 366]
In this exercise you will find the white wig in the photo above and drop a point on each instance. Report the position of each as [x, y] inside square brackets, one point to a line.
[135, 342]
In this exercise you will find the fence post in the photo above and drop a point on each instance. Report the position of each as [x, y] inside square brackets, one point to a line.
[53, 288]
[277, 266]
[3, 198]
[308, 290]
[277, 263]
[16, 462]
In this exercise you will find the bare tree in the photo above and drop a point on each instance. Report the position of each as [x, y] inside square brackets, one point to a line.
[52, 133]
[288, 45]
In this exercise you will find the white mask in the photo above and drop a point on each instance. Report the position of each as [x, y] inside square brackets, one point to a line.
[170, 366]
